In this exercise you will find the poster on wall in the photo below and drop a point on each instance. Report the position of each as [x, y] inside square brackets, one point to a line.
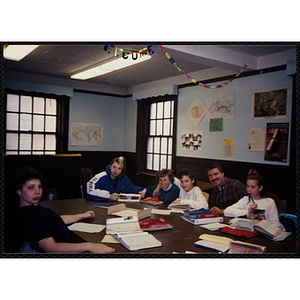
[196, 111]
[191, 140]
[276, 141]
[256, 139]
[220, 106]
[227, 149]
[270, 104]
[85, 134]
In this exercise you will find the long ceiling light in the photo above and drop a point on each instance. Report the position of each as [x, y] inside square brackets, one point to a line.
[110, 66]
[17, 52]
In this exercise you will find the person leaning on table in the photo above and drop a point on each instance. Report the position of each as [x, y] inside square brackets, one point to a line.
[226, 192]
[42, 228]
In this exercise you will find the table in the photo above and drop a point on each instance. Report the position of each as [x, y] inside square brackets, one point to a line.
[179, 239]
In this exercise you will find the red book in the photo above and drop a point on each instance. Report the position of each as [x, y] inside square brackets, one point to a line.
[200, 216]
[237, 232]
[153, 201]
[154, 224]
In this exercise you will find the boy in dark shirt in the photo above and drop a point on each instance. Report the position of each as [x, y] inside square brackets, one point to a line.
[44, 229]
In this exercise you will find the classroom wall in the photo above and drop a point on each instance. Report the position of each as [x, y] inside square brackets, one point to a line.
[237, 127]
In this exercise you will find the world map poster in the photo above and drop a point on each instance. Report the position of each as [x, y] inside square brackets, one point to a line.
[83, 134]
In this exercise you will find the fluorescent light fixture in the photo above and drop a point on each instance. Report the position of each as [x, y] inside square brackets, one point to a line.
[17, 52]
[110, 66]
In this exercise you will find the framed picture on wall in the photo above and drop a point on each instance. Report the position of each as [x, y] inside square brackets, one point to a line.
[276, 146]
[270, 104]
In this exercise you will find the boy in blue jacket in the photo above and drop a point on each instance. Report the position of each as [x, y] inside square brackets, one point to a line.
[109, 184]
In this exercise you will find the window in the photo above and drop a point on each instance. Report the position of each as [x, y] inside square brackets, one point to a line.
[156, 133]
[35, 123]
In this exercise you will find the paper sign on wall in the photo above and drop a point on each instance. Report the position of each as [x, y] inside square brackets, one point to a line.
[227, 150]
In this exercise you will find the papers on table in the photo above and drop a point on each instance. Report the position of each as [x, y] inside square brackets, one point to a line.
[86, 227]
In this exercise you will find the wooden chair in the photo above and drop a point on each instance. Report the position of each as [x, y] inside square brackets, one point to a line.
[86, 174]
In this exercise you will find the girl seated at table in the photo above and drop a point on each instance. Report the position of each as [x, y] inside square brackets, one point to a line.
[189, 194]
[43, 229]
[109, 184]
[257, 199]
[168, 191]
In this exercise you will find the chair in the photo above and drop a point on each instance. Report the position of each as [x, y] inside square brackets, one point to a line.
[289, 222]
[26, 248]
[206, 196]
[50, 194]
[86, 174]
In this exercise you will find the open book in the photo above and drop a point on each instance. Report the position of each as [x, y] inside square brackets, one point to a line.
[152, 201]
[214, 242]
[242, 247]
[129, 197]
[138, 240]
[176, 205]
[125, 224]
[271, 231]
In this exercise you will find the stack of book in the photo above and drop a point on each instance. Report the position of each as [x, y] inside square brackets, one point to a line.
[201, 216]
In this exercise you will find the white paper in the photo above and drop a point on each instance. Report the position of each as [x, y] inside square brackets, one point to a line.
[86, 227]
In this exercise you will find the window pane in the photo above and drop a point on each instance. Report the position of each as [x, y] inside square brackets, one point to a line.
[156, 145]
[12, 121]
[152, 127]
[50, 152]
[12, 141]
[149, 161]
[156, 163]
[159, 127]
[160, 107]
[38, 123]
[167, 126]
[50, 143]
[25, 141]
[150, 145]
[167, 113]
[25, 122]
[12, 102]
[38, 105]
[169, 162]
[37, 152]
[51, 106]
[163, 162]
[171, 127]
[153, 111]
[26, 104]
[50, 124]
[170, 146]
[11, 152]
[172, 109]
[24, 152]
[38, 142]
[164, 145]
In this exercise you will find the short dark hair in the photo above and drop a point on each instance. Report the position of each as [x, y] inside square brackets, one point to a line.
[213, 166]
[163, 173]
[185, 172]
[26, 173]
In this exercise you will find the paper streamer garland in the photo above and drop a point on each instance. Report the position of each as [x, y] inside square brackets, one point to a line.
[193, 80]
[148, 49]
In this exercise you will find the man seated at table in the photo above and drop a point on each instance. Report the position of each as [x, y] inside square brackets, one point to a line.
[43, 229]
[226, 192]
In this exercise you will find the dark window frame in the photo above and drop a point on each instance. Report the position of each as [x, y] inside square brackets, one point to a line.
[62, 119]
[143, 128]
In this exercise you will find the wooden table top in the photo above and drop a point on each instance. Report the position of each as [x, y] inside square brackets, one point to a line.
[179, 239]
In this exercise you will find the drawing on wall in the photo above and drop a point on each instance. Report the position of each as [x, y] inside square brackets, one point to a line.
[220, 106]
[270, 104]
[196, 111]
[276, 141]
[83, 134]
[227, 150]
[256, 139]
[191, 140]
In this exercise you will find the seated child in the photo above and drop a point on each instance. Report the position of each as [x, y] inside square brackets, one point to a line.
[168, 191]
[256, 199]
[109, 184]
[41, 227]
[190, 194]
